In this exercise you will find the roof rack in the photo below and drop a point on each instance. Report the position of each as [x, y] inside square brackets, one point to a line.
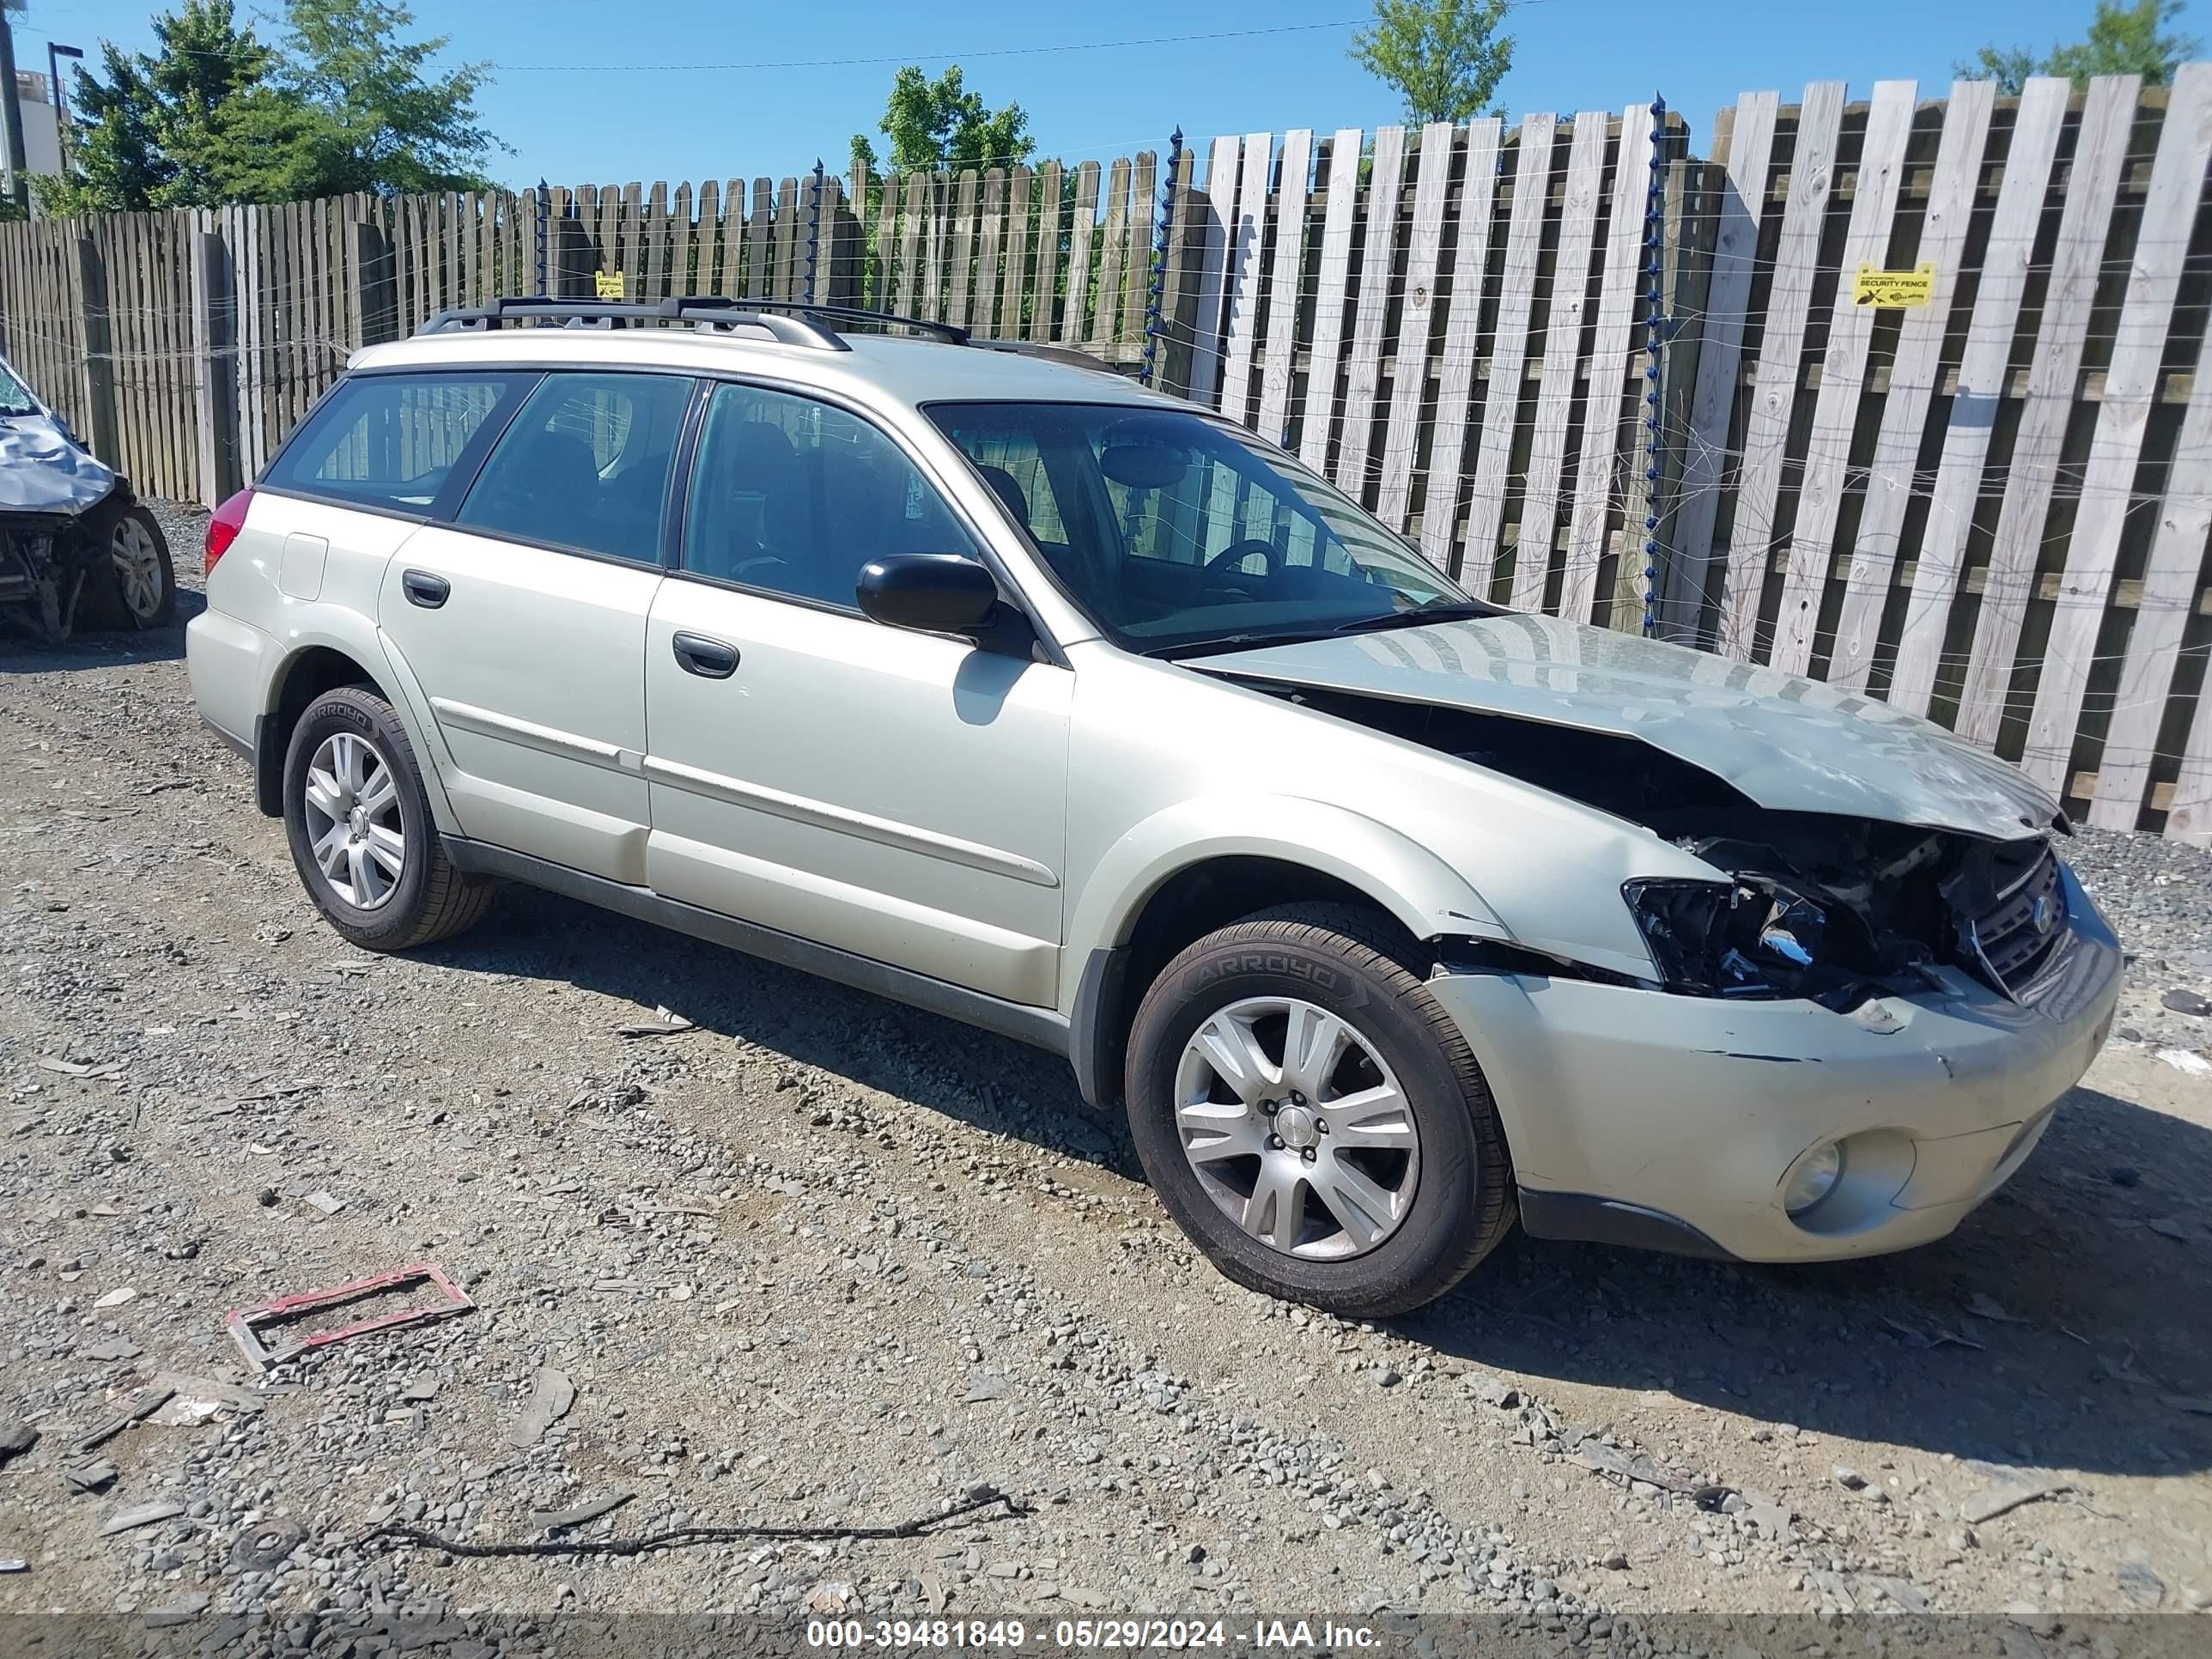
[793, 322]
[712, 310]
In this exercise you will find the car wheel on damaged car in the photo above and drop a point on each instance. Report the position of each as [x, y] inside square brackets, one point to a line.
[1388, 916]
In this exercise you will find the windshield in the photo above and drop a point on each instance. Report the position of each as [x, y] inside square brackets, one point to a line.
[15, 397]
[1177, 534]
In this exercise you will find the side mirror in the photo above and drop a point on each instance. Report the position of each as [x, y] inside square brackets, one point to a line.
[931, 593]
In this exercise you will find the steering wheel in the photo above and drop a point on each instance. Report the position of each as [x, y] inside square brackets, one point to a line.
[1237, 552]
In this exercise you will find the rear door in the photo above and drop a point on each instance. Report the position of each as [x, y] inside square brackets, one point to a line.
[523, 619]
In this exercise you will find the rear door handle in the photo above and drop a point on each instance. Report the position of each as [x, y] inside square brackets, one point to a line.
[711, 659]
[424, 589]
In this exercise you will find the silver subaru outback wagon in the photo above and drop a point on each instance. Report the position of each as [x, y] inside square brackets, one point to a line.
[1000, 685]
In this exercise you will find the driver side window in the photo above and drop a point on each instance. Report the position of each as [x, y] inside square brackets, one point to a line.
[792, 496]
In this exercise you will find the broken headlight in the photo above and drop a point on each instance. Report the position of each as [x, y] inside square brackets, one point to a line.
[1749, 938]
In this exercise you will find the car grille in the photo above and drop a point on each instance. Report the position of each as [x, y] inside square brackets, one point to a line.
[2017, 937]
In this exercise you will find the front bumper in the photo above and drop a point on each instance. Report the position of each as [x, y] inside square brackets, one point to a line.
[1637, 1116]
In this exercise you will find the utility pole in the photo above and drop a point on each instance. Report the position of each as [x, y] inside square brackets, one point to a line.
[12, 118]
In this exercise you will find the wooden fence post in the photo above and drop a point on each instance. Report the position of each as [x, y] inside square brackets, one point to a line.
[99, 385]
[369, 257]
[1179, 281]
[1693, 196]
[215, 367]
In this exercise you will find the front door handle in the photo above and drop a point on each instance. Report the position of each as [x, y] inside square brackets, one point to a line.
[424, 589]
[711, 659]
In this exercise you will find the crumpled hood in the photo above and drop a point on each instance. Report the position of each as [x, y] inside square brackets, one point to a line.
[1791, 745]
[41, 470]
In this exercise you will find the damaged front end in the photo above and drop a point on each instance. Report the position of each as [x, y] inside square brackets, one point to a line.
[59, 510]
[1839, 911]
[1832, 908]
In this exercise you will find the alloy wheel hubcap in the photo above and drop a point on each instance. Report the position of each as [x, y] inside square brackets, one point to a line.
[138, 569]
[353, 820]
[1296, 1128]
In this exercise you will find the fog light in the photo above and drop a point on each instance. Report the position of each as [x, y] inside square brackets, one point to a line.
[1814, 1179]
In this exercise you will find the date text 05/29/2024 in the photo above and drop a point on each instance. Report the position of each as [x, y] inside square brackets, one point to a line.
[1108, 1634]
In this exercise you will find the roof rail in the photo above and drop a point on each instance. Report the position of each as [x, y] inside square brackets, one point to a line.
[1071, 356]
[789, 325]
[795, 322]
[950, 333]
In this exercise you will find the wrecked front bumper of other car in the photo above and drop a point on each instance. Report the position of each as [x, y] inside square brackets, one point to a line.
[1782, 1129]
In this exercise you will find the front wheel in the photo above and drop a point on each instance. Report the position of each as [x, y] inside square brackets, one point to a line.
[137, 588]
[1312, 1118]
[358, 823]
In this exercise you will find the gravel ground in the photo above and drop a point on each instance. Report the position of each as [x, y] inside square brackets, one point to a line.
[823, 1261]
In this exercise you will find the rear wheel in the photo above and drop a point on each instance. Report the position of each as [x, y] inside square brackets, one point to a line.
[358, 823]
[1313, 1119]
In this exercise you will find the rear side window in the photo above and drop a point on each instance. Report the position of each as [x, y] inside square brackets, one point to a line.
[584, 465]
[392, 441]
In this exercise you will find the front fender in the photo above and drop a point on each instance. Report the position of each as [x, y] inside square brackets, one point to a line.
[1428, 897]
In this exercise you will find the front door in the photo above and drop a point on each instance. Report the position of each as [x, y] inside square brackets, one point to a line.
[895, 794]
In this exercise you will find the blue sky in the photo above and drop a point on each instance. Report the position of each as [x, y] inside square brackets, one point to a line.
[728, 96]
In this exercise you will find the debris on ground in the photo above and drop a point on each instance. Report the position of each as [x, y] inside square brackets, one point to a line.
[78, 1068]
[246, 1324]
[555, 1520]
[663, 1023]
[196, 1399]
[144, 1514]
[551, 1394]
[2008, 1493]
[2182, 1059]
[2187, 1002]
[140, 1407]
[686, 1537]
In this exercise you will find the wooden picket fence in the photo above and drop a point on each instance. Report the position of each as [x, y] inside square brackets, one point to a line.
[1992, 508]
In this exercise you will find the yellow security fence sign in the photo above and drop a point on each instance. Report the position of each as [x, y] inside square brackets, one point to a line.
[1895, 290]
[611, 284]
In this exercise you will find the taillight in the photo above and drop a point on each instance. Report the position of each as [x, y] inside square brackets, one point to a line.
[222, 529]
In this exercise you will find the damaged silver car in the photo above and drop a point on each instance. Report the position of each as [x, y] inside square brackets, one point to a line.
[1010, 690]
[76, 549]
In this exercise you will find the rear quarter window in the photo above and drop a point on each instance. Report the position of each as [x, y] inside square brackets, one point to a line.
[393, 441]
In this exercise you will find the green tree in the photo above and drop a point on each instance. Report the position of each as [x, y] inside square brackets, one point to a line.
[1445, 56]
[380, 121]
[153, 129]
[936, 124]
[216, 115]
[2123, 39]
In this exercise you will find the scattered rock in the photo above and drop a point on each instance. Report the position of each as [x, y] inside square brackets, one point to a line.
[2137, 1581]
[1849, 1478]
[554, 1520]
[96, 1476]
[324, 1202]
[182, 1611]
[551, 1396]
[17, 1437]
[2182, 1001]
[144, 1515]
[109, 1350]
